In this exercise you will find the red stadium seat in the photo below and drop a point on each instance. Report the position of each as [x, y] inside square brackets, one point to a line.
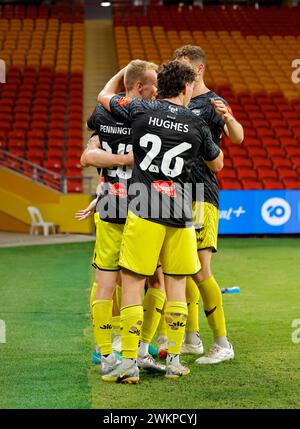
[260, 161]
[275, 151]
[272, 184]
[230, 184]
[246, 173]
[296, 161]
[265, 132]
[73, 164]
[266, 173]
[296, 131]
[53, 165]
[288, 173]
[255, 151]
[289, 141]
[252, 184]
[270, 141]
[74, 186]
[291, 183]
[253, 142]
[292, 151]
[283, 132]
[77, 152]
[237, 151]
[242, 162]
[56, 142]
[56, 152]
[281, 162]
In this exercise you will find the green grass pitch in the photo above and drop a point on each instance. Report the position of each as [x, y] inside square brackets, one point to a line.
[45, 362]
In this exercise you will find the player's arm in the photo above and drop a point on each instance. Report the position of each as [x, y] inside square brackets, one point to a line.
[89, 210]
[113, 86]
[95, 156]
[211, 153]
[232, 128]
[216, 164]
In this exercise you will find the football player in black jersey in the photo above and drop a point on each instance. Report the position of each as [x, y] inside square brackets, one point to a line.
[216, 112]
[167, 138]
[113, 153]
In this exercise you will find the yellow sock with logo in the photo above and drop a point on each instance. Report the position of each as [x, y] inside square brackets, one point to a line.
[153, 307]
[131, 323]
[192, 298]
[115, 321]
[92, 295]
[176, 315]
[213, 308]
[102, 315]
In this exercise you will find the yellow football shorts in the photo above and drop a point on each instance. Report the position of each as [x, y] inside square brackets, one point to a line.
[107, 246]
[145, 242]
[206, 222]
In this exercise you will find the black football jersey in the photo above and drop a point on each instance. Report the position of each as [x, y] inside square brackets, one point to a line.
[116, 138]
[167, 139]
[203, 108]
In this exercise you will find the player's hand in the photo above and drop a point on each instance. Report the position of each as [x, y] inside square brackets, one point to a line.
[94, 143]
[129, 159]
[220, 107]
[83, 214]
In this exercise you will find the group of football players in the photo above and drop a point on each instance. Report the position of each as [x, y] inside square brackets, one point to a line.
[157, 149]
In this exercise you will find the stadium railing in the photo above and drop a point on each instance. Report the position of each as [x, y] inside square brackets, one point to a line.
[43, 176]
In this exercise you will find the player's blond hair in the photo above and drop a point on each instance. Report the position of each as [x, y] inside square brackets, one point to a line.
[136, 71]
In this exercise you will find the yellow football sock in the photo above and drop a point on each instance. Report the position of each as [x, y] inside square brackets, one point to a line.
[176, 314]
[153, 307]
[118, 295]
[213, 308]
[162, 327]
[192, 298]
[115, 321]
[131, 323]
[102, 315]
[93, 291]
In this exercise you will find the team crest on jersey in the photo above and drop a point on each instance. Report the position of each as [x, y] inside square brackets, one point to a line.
[123, 101]
[173, 109]
[166, 187]
[118, 189]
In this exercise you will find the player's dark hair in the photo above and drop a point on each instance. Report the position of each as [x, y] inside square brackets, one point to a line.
[172, 77]
[192, 52]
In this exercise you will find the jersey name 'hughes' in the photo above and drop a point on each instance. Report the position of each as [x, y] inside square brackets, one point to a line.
[177, 126]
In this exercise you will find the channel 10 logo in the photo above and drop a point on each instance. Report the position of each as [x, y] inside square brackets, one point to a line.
[276, 211]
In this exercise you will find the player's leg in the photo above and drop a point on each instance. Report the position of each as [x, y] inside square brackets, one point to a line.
[116, 344]
[140, 248]
[106, 259]
[95, 284]
[179, 258]
[102, 316]
[192, 343]
[210, 290]
[153, 304]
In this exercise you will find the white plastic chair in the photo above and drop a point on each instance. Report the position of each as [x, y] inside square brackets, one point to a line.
[38, 222]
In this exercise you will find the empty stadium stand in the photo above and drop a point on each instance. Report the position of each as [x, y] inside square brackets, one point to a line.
[249, 54]
[41, 108]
